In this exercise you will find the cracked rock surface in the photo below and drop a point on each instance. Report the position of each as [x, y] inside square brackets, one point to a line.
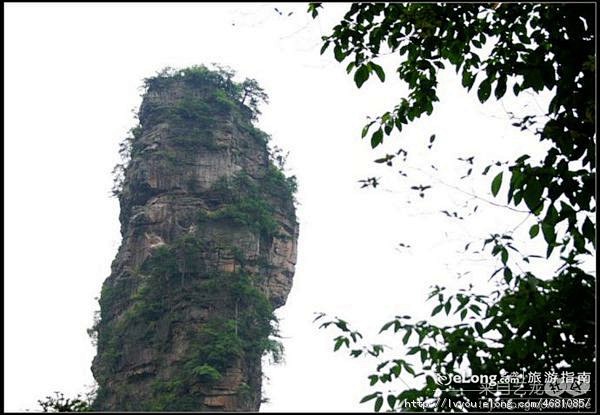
[209, 230]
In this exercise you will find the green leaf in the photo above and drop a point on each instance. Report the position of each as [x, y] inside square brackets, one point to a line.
[378, 70]
[484, 90]
[365, 130]
[382, 365]
[589, 231]
[475, 309]
[463, 314]
[313, 8]
[388, 128]
[338, 53]
[479, 328]
[386, 326]
[324, 47]
[377, 138]
[378, 404]
[549, 250]
[398, 124]
[534, 230]
[383, 160]
[437, 309]
[516, 89]
[500, 87]
[372, 380]
[361, 75]
[468, 79]
[350, 66]
[413, 350]
[496, 183]
[356, 353]
[391, 399]
[406, 336]
[533, 194]
[508, 275]
[428, 106]
[521, 159]
[549, 233]
[369, 397]
[518, 196]
[551, 215]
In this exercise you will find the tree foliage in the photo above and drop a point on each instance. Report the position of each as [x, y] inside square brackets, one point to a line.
[247, 93]
[532, 322]
[58, 403]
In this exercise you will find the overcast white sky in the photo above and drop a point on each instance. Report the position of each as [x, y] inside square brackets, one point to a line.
[72, 78]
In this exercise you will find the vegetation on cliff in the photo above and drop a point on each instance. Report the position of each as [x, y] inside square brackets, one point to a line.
[195, 118]
[197, 299]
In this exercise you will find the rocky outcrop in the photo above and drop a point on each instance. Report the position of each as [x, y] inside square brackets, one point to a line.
[208, 252]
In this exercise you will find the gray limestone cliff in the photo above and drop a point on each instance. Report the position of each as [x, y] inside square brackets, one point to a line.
[208, 252]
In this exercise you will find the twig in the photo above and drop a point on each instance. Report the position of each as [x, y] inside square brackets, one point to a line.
[521, 223]
[468, 193]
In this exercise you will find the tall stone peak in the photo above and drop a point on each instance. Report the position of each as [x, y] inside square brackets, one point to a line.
[208, 252]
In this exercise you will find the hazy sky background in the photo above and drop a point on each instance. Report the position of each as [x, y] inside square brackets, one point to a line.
[72, 81]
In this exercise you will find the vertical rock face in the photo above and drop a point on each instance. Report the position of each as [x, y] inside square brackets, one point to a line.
[208, 252]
